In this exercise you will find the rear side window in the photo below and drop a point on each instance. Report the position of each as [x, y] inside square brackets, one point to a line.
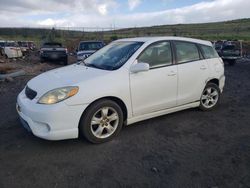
[209, 52]
[157, 55]
[186, 52]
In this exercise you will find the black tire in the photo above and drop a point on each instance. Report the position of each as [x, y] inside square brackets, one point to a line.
[231, 62]
[213, 87]
[85, 127]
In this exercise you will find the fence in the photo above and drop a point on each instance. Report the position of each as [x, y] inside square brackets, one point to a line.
[70, 36]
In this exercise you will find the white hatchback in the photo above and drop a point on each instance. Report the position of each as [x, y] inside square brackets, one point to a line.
[127, 81]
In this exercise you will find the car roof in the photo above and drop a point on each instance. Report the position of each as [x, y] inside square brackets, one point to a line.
[155, 39]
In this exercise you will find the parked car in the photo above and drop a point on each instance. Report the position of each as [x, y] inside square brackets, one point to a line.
[11, 50]
[54, 51]
[86, 48]
[229, 51]
[127, 81]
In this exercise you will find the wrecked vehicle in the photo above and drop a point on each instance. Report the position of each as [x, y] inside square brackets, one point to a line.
[11, 50]
[86, 48]
[31, 45]
[53, 51]
[24, 47]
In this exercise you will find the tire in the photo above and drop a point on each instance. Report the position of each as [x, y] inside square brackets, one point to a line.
[231, 62]
[101, 122]
[210, 97]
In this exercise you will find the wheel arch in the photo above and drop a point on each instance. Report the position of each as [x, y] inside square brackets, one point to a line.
[214, 81]
[115, 99]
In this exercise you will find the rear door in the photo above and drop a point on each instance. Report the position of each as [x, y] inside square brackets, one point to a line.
[193, 72]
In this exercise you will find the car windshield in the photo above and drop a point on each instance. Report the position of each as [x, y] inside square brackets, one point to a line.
[113, 56]
[90, 46]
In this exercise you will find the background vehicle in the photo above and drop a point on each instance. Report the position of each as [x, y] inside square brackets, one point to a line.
[229, 51]
[2, 43]
[31, 45]
[11, 50]
[127, 81]
[86, 48]
[54, 51]
[24, 47]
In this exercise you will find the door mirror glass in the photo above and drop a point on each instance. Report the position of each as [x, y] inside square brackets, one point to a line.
[139, 67]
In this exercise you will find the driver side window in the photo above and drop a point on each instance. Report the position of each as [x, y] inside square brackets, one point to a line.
[157, 55]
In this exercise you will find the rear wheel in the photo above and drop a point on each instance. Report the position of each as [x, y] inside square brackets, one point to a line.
[210, 97]
[102, 121]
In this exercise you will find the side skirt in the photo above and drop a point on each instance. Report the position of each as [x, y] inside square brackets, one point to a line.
[162, 112]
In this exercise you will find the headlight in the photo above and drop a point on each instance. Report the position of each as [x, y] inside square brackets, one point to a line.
[57, 95]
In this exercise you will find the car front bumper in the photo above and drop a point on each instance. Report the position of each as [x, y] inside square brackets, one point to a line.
[51, 122]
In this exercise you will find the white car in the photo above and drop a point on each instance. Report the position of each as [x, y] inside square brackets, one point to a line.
[127, 81]
[11, 50]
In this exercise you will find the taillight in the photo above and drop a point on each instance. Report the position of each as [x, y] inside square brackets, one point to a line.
[66, 50]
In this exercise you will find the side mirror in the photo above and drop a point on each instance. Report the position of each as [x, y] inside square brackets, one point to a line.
[139, 67]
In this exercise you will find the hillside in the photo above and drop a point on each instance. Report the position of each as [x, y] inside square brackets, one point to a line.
[236, 29]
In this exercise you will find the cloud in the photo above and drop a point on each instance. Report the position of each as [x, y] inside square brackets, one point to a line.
[104, 13]
[132, 4]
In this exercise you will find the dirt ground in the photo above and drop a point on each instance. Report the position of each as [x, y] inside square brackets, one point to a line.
[190, 148]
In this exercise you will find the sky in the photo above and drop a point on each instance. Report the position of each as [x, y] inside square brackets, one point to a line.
[118, 13]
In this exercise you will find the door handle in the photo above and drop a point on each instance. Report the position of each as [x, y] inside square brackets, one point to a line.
[203, 67]
[172, 73]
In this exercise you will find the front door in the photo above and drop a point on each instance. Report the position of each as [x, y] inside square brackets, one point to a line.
[155, 89]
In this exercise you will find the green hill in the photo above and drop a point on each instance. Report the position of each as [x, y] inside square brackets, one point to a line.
[236, 29]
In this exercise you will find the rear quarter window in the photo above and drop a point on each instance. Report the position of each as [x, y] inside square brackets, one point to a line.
[209, 52]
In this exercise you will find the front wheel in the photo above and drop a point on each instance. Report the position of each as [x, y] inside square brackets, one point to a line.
[101, 122]
[210, 97]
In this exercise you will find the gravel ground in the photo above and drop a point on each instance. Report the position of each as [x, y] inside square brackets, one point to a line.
[184, 149]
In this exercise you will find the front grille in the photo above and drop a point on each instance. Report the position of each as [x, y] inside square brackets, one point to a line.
[31, 94]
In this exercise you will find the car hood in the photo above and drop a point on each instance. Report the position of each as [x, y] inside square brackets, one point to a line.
[72, 75]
